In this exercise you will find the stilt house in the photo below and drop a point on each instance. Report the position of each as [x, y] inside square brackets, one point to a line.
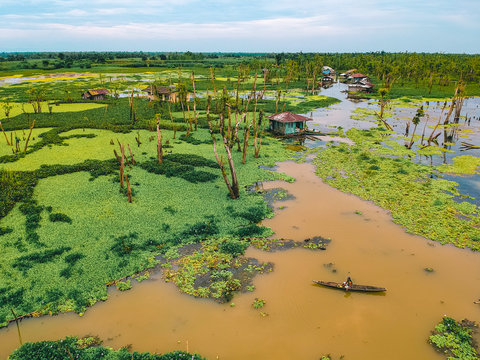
[287, 123]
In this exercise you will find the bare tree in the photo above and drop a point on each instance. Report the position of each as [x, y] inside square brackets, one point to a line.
[5, 134]
[29, 134]
[383, 103]
[416, 121]
[232, 185]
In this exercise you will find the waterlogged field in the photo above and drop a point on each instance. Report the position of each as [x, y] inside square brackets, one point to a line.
[67, 231]
[77, 231]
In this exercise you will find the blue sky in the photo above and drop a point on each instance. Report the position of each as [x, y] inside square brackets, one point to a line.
[240, 26]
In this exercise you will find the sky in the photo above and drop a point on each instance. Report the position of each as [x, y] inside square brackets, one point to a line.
[241, 26]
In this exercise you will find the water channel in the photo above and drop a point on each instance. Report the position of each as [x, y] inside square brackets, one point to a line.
[303, 320]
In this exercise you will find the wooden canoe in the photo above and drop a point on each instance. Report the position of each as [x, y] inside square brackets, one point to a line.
[355, 287]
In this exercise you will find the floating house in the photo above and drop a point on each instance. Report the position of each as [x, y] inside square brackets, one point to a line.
[347, 74]
[356, 78]
[328, 71]
[361, 87]
[287, 123]
[360, 83]
[96, 94]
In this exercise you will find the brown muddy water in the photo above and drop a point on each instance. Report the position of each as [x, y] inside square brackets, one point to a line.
[304, 321]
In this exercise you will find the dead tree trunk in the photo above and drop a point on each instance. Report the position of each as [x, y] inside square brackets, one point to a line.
[194, 101]
[257, 143]
[131, 155]
[129, 189]
[159, 144]
[5, 134]
[173, 123]
[212, 76]
[29, 134]
[246, 133]
[137, 139]
[232, 186]
[122, 166]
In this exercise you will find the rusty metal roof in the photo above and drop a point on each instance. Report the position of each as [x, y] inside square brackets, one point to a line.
[359, 75]
[98, 92]
[288, 117]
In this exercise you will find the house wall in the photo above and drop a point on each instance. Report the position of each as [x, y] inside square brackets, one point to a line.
[285, 128]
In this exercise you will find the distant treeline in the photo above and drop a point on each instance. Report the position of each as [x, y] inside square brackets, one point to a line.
[387, 68]
[104, 56]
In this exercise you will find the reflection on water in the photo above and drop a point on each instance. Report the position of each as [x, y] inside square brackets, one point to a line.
[304, 321]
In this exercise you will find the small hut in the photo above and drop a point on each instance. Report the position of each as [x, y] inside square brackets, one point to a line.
[356, 78]
[156, 92]
[96, 94]
[347, 74]
[361, 83]
[367, 87]
[328, 71]
[287, 123]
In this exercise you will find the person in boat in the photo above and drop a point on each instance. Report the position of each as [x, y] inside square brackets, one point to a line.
[347, 284]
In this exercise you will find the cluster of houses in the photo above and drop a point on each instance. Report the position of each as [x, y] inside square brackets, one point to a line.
[153, 92]
[286, 123]
[357, 82]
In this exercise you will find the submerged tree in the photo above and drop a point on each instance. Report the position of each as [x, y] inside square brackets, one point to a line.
[227, 136]
[416, 120]
[35, 97]
[383, 103]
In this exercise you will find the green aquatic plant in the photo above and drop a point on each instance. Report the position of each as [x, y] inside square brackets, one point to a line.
[258, 303]
[209, 272]
[123, 285]
[454, 339]
[88, 348]
[234, 247]
[424, 204]
[464, 164]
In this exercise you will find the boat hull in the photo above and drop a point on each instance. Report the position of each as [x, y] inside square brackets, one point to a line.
[354, 287]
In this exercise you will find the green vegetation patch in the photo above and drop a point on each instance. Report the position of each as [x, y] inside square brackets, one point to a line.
[20, 108]
[74, 199]
[421, 202]
[214, 269]
[464, 164]
[88, 348]
[454, 339]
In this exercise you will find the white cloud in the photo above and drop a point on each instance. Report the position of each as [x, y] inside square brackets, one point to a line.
[76, 12]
